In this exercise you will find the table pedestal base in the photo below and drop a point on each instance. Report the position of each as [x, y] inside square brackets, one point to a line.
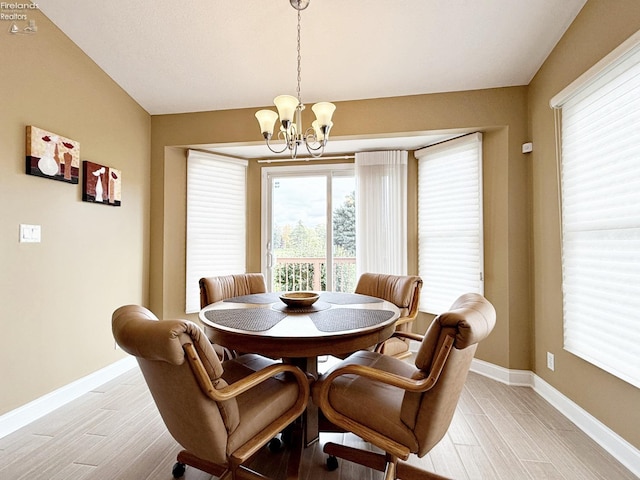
[310, 432]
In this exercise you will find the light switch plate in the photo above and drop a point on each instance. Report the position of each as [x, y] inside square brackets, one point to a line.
[29, 233]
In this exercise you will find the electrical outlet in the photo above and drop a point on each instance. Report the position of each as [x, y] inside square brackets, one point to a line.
[551, 361]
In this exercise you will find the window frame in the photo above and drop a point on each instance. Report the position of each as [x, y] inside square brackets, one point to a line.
[329, 171]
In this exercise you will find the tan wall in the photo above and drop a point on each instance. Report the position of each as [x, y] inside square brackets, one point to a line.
[56, 297]
[600, 27]
[499, 113]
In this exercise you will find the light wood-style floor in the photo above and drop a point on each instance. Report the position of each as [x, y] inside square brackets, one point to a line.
[115, 432]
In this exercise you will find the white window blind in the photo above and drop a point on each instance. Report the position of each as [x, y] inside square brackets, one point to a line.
[450, 248]
[216, 220]
[600, 191]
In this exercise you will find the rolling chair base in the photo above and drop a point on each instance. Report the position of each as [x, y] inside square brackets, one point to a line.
[393, 467]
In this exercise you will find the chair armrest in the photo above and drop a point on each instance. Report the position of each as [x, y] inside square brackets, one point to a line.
[243, 384]
[410, 335]
[400, 335]
[408, 384]
[402, 320]
[250, 381]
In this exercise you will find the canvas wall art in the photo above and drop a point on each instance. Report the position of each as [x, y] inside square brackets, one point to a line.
[101, 184]
[53, 156]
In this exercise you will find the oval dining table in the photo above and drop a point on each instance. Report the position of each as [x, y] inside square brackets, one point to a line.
[337, 324]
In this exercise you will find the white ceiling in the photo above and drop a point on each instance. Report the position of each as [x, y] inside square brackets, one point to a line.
[177, 57]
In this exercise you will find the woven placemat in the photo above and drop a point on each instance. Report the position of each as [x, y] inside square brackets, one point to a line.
[259, 298]
[251, 319]
[316, 307]
[339, 298]
[339, 319]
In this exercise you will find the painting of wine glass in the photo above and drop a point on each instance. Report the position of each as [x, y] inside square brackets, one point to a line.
[53, 156]
[101, 184]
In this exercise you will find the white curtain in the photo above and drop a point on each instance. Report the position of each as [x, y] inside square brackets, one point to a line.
[381, 212]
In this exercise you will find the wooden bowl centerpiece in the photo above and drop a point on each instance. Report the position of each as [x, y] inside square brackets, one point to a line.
[299, 299]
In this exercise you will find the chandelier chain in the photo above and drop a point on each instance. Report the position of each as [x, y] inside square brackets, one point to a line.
[299, 61]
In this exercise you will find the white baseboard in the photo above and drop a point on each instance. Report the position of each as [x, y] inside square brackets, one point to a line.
[520, 378]
[618, 447]
[22, 416]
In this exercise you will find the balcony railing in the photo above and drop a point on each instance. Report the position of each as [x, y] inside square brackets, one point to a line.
[310, 273]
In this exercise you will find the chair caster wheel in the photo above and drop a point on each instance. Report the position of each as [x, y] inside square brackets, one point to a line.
[178, 470]
[274, 445]
[332, 463]
[287, 436]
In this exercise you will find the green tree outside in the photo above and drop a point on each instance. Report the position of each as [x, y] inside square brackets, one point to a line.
[301, 241]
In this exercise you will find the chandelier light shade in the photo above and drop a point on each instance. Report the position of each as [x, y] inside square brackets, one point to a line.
[267, 120]
[286, 105]
[290, 109]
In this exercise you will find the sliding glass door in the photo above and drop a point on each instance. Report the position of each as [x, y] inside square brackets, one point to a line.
[308, 228]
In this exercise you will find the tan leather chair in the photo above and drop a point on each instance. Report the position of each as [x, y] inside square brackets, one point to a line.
[220, 413]
[404, 292]
[215, 289]
[399, 407]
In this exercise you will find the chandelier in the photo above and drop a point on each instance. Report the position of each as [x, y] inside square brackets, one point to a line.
[290, 113]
